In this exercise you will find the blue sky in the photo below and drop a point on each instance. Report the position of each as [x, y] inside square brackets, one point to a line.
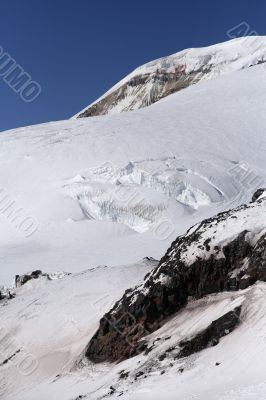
[77, 49]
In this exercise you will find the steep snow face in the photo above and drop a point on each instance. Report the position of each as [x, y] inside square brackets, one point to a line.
[157, 79]
[44, 328]
[114, 189]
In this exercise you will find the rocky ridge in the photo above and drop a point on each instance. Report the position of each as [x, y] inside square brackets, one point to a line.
[223, 253]
[160, 78]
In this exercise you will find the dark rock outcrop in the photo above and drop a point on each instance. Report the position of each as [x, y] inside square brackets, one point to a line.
[257, 194]
[256, 269]
[163, 83]
[211, 335]
[20, 280]
[195, 265]
[160, 78]
[6, 294]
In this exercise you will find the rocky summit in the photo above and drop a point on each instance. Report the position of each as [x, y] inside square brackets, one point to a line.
[157, 79]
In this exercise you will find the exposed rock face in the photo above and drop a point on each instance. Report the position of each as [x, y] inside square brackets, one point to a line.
[258, 194]
[20, 280]
[6, 294]
[207, 259]
[211, 335]
[160, 84]
[2, 296]
[256, 269]
[159, 78]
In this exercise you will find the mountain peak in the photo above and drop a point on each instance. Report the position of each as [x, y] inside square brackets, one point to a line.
[157, 79]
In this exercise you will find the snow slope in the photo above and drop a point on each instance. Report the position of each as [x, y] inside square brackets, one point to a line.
[114, 189]
[102, 190]
[61, 315]
[159, 78]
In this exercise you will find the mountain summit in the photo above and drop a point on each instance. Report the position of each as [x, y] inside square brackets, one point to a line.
[145, 274]
[159, 78]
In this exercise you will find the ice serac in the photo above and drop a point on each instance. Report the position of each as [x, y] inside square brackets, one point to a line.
[157, 79]
[223, 253]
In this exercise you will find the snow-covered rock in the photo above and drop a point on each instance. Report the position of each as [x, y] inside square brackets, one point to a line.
[223, 253]
[157, 79]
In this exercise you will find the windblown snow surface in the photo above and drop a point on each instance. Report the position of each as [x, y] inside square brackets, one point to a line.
[110, 191]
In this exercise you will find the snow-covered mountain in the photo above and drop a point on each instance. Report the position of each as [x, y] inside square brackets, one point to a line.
[129, 183]
[188, 321]
[157, 79]
[108, 195]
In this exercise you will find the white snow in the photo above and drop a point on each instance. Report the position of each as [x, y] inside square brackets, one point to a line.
[61, 333]
[252, 220]
[193, 154]
[189, 156]
[216, 60]
[58, 316]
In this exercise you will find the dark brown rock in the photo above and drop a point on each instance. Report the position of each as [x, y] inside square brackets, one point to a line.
[166, 290]
[211, 335]
[163, 82]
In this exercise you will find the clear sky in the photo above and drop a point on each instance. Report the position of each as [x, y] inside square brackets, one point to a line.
[77, 49]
